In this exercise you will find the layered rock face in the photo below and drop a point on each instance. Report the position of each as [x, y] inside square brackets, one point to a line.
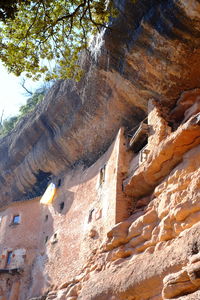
[148, 65]
[151, 51]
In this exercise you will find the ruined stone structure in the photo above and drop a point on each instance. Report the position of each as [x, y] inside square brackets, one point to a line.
[122, 147]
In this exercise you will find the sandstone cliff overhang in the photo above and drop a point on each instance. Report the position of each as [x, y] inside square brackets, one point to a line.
[151, 52]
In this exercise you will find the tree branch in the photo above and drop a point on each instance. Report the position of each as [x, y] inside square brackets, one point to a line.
[23, 85]
[73, 13]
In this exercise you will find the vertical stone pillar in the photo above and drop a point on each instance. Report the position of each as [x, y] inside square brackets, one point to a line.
[123, 202]
[158, 127]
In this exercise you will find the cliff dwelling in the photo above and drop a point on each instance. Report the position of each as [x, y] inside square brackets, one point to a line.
[100, 181]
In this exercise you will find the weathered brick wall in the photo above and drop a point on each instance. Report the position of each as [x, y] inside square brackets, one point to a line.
[54, 242]
[89, 212]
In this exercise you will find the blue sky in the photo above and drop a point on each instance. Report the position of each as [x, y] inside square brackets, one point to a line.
[12, 95]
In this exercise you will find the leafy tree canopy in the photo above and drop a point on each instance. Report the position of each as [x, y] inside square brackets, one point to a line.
[33, 32]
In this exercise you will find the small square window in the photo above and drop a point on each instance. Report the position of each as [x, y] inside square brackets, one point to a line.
[16, 219]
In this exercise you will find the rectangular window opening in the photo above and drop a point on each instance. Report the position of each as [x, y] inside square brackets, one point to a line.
[61, 205]
[16, 219]
[102, 175]
[90, 215]
[143, 155]
[9, 257]
[59, 183]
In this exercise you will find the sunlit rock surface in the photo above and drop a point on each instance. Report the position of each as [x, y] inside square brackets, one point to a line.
[149, 62]
[151, 52]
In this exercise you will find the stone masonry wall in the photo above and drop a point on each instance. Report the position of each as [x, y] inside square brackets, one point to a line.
[52, 243]
[89, 213]
[22, 242]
